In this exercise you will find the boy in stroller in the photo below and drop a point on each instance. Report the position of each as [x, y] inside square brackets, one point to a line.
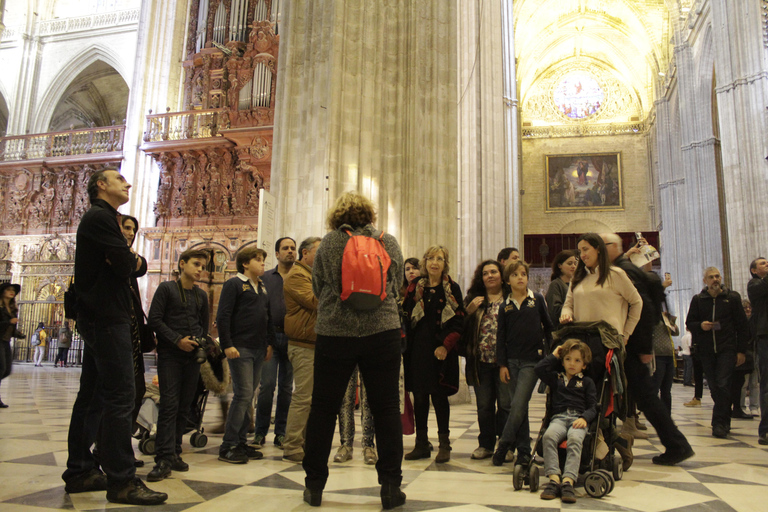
[574, 406]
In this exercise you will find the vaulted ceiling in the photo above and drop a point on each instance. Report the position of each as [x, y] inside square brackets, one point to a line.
[623, 44]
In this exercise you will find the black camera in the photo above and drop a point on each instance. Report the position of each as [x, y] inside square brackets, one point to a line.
[207, 348]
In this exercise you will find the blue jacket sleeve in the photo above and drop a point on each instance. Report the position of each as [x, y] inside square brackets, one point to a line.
[546, 370]
[157, 313]
[227, 302]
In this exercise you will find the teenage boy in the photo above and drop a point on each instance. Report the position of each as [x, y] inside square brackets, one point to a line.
[178, 314]
[574, 406]
[523, 325]
[246, 335]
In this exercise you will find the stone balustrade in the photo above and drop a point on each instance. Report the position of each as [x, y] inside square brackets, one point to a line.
[189, 124]
[92, 21]
[55, 144]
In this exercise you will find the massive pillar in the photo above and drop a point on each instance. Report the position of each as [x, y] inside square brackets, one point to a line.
[483, 205]
[366, 101]
[741, 89]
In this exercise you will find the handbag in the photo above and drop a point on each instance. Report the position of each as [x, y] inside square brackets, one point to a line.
[407, 418]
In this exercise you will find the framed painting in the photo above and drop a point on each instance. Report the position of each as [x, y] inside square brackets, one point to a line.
[584, 182]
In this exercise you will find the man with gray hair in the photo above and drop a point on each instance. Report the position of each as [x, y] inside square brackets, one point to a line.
[718, 324]
[300, 317]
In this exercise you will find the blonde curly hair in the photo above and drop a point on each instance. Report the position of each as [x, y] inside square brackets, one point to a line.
[353, 209]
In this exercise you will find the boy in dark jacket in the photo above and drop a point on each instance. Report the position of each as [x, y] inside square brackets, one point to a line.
[178, 315]
[246, 335]
[574, 405]
[523, 325]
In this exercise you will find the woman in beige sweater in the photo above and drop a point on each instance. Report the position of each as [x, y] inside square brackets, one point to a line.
[600, 291]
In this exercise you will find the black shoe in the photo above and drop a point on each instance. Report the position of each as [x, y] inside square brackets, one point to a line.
[523, 460]
[391, 496]
[740, 415]
[136, 493]
[670, 458]
[233, 455]
[94, 480]
[499, 456]
[3, 405]
[251, 452]
[161, 470]
[314, 498]
[138, 463]
[720, 432]
[763, 439]
[567, 493]
[179, 465]
[550, 491]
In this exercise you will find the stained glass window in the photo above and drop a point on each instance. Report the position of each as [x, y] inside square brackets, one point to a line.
[578, 96]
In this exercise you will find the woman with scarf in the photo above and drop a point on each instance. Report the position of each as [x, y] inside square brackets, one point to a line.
[434, 312]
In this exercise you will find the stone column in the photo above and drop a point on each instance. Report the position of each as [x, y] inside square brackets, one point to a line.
[482, 194]
[742, 96]
[366, 101]
[156, 85]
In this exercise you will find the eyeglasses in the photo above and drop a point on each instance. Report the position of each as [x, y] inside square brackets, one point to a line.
[436, 258]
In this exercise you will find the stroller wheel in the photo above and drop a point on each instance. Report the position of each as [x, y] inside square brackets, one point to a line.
[198, 440]
[597, 484]
[147, 446]
[609, 476]
[533, 477]
[517, 477]
[618, 467]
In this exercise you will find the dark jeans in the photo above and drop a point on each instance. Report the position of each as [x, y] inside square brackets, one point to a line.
[662, 379]
[762, 361]
[493, 402]
[61, 356]
[718, 369]
[106, 396]
[647, 399]
[442, 411]
[277, 371]
[378, 357]
[246, 373]
[522, 381]
[698, 378]
[178, 375]
[737, 383]
[688, 370]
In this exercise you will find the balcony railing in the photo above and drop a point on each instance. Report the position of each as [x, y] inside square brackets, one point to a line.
[189, 124]
[90, 22]
[71, 142]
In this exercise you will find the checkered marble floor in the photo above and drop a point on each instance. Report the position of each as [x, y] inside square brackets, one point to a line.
[726, 474]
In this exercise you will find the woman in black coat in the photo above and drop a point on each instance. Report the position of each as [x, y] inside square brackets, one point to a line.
[8, 322]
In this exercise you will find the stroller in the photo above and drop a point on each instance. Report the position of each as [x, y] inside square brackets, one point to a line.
[214, 376]
[601, 464]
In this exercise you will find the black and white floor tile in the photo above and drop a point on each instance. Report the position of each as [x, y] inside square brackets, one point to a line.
[726, 474]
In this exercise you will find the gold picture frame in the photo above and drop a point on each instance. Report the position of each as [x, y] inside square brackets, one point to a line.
[584, 182]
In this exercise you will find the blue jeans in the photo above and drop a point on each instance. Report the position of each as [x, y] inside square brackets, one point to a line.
[246, 372]
[662, 379]
[522, 381]
[106, 396]
[493, 402]
[718, 370]
[179, 375]
[560, 429]
[277, 371]
[762, 361]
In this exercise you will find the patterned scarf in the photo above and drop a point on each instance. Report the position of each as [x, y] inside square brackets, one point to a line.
[451, 305]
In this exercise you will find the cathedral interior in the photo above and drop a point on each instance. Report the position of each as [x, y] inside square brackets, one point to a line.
[473, 124]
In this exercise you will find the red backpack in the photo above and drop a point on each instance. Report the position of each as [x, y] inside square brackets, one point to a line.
[364, 268]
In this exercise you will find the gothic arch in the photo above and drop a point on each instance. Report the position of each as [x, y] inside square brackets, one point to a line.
[70, 72]
[705, 82]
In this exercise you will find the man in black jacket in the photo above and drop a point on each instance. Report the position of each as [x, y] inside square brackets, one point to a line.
[103, 264]
[718, 324]
[179, 315]
[757, 289]
[640, 353]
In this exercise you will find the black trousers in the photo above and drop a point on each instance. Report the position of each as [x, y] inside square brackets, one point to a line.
[378, 357]
[646, 397]
[698, 378]
[718, 369]
[178, 375]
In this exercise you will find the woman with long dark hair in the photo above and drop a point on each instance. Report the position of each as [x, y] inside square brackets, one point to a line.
[434, 319]
[484, 297]
[9, 313]
[410, 272]
[563, 269]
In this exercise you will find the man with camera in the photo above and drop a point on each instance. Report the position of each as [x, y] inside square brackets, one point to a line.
[718, 324]
[179, 317]
[247, 336]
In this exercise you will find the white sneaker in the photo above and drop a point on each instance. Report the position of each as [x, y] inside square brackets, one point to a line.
[344, 454]
[482, 453]
[369, 455]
